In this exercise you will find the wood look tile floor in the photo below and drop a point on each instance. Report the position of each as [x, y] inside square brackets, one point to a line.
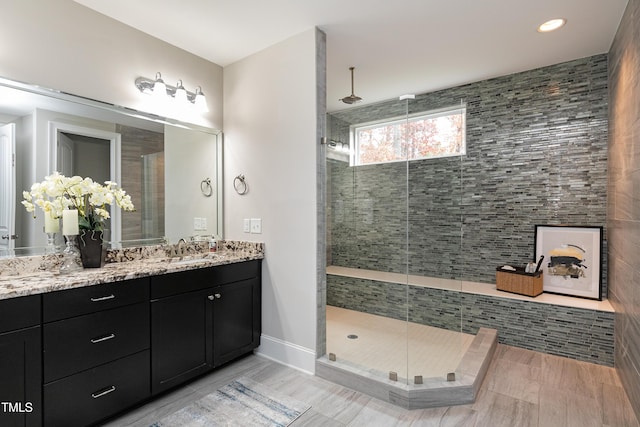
[522, 388]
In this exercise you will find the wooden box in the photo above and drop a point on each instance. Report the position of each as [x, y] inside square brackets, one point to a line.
[519, 282]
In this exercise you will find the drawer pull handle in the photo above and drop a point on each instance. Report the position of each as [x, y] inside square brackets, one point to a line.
[103, 298]
[106, 337]
[218, 296]
[103, 392]
[214, 296]
[210, 297]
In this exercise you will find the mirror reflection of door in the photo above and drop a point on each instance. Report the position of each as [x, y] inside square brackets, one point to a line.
[65, 154]
[85, 156]
[7, 187]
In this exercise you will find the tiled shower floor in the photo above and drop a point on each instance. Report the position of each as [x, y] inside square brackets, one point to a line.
[382, 344]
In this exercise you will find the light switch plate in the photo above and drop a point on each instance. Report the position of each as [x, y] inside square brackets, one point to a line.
[256, 225]
[246, 225]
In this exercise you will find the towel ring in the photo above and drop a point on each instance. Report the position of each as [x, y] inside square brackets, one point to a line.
[240, 185]
[205, 187]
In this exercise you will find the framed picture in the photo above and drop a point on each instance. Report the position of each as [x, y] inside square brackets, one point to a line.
[572, 263]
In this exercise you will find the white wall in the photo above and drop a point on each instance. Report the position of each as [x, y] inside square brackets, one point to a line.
[189, 158]
[63, 45]
[270, 138]
[269, 124]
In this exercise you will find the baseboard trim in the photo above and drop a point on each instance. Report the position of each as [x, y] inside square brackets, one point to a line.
[289, 354]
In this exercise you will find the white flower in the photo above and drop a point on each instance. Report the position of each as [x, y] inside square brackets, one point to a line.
[58, 192]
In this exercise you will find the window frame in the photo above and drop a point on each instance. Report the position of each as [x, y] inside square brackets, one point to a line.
[423, 115]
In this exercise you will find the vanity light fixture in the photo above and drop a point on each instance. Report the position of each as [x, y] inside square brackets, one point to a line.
[551, 25]
[158, 88]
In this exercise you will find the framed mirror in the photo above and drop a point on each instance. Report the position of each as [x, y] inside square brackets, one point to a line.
[172, 170]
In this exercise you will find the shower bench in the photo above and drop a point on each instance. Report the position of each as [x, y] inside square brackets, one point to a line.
[576, 328]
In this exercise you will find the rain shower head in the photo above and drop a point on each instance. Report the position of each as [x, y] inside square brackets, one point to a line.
[351, 99]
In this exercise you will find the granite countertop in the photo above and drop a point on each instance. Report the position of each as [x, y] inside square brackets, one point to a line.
[123, 265]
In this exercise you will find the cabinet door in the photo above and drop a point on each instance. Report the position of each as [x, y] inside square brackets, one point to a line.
[181, 339]
[21, 378]
[236, 320]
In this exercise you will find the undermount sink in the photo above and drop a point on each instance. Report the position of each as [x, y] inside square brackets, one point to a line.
[192, 259]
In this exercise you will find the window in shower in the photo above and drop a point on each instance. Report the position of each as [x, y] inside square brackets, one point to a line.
[437, 133]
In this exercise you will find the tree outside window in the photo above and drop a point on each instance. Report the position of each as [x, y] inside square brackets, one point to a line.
[431, 134]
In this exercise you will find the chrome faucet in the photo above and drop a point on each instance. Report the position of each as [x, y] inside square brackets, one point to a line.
[180, 248]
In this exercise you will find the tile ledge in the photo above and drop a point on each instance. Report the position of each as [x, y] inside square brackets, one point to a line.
[488, 289]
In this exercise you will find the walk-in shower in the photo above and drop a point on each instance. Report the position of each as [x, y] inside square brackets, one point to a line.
[394, 216]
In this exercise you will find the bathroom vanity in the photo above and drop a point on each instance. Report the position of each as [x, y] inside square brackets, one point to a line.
[109, 339]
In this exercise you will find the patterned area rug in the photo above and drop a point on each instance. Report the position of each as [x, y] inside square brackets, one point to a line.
[243, 402]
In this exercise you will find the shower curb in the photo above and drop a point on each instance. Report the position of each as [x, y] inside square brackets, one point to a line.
[435, 392]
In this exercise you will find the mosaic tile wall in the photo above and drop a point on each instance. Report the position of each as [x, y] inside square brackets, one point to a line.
[536, 154]
[135, 144]
[321, 265]
[624, 206]
[579, 334]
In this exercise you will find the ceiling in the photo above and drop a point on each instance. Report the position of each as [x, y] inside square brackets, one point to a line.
[398, 47]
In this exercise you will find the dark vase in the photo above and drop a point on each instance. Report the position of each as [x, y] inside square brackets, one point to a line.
[91, 253]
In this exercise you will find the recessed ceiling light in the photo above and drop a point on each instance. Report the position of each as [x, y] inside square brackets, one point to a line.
[552, 24]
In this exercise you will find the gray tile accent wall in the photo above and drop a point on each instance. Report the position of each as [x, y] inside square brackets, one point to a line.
[136, 143]
[576, 333]
[536, 154]
[321, 172]
[623, 205]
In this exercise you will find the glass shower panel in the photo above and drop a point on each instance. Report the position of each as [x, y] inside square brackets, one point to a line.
[367, 243]
[435, 344]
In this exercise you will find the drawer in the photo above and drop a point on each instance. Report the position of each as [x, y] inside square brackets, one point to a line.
[236, 272]
[19, 313]
[76, 302]
[82, 342]
[97, 393]
[181, 282]
[193, 280]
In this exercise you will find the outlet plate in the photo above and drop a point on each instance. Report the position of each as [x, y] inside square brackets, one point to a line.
[256, 225]
[246, 226]
[199, 224]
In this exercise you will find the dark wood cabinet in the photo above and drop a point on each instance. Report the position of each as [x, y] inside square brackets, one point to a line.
[95, 352]
[20, 362]
[236, 320]
[92, 395]
[181, 339]
[82, 342]
[201, 319]
[79, 356]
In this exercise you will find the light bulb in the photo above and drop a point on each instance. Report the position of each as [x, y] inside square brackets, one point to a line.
[159, 88]
[200, 101]
[181, 93]
[552, 24]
